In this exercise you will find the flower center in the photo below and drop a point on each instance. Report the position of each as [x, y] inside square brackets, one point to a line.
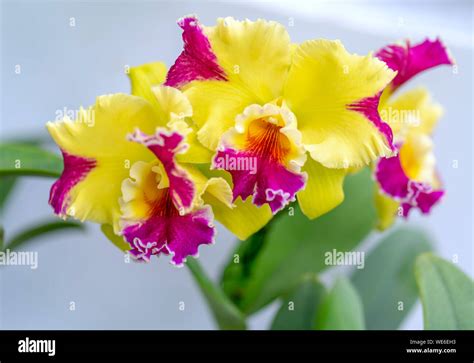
[265, 139]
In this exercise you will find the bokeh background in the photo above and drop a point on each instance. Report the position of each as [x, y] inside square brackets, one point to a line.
[68, 66]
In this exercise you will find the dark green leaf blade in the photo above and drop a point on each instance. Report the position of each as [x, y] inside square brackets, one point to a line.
[225, 312]
[296, 245]
[24, 159]
[446, 293]
[340, 309]
[298, 310]
[30, 233]
[387, 284]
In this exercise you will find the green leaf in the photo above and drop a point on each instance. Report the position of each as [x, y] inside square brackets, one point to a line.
[387, 284]
[30, 233]
[237, 271]
[340, 309]
[24, 159]
[225, 312]
[298, 310]
[295, 245]
[446, 293]
[118, 241]
[7, 184]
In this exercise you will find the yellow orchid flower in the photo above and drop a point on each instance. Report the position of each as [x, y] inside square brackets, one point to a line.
[122, 168]
[283, 120]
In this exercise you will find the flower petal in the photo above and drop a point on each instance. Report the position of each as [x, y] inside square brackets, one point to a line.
[197, 61]
[386, 209]
[411, 111]
[216, 104]
[152, 222]
[97, 156]
[409, 60]
[264, 155]
[323, 191]
[255, 54]
[242, 218]
[165, 145]
[146, 76]
[334, 96]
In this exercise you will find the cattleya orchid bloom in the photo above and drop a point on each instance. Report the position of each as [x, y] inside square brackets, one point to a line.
[409, 179]
[302, 114]
[130, 169]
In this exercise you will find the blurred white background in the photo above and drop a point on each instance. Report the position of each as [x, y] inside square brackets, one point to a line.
[64, 66]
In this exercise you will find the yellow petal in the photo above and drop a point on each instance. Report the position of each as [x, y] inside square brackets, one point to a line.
[254, 54]
[173, 105]
[323, 81]
[411, 111]
[216, 104]
[144, 77]
[100, 133]
[417, 158]
[323, 191]
[386, 208]
[243, 218]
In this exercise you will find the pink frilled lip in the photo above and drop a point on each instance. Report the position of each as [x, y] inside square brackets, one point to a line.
[173, 226]
[197, 61]
[268, 182]
[172, 233]
[369, 108]
[75, 169]
[411, 194]
[409, 60]
[165, 145]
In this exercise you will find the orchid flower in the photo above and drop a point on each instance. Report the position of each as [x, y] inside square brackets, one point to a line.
[302, 114]
[409, 179]
[127, 164]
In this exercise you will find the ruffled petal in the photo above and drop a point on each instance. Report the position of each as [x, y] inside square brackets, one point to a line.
[165, 145]
[264, 155]
[323, 191]
[197, 61]
[97, 156]
[144, 77]
[255, 57]
[335, 97]
[409, 60]
[175, 111]
[254, 54]
[410, 179]
[152, 221]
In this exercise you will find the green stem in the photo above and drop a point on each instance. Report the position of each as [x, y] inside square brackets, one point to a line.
[226, 314]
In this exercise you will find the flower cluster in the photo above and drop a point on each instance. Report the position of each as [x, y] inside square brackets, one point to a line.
[243, 123]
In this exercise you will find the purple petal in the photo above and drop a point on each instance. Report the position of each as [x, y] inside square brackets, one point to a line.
[369, 108]
[75, 169]
[409, 61]
[197, 61]
[186, 233]
[170, 232]
[411, 194]
[269, 182]
[391, 177]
